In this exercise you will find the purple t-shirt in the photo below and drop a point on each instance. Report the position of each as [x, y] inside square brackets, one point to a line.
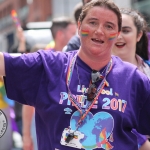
[39, 79]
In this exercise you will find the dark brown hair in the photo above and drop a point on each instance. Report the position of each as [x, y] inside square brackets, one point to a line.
[141, 26]
[77, 11]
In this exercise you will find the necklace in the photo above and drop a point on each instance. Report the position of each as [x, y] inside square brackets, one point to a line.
[96, 94]
[78, 76]
[85, 111]
[96, 75]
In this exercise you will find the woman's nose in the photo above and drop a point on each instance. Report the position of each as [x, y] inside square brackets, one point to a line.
[119, 36]
[99, 30]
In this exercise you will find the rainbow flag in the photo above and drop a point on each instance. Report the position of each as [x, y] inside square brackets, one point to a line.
[15, 18]
[113, 36]
[104, 141]
[84, 33]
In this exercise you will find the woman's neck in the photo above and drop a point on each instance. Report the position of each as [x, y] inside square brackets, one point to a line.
[131, 60]
[93, 62]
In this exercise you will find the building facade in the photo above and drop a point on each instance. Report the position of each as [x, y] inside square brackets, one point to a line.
[27, 11]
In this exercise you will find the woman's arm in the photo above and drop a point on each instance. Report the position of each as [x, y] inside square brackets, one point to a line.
[27, 116]
[2, 65]
[145, 146]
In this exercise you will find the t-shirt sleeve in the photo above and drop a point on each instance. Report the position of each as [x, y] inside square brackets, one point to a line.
[28, 75]
[143, 102]
[23, 75]
[141, 139]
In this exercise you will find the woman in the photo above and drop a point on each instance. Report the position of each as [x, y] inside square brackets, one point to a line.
[132, 43]
[86, 99]
[132, 46]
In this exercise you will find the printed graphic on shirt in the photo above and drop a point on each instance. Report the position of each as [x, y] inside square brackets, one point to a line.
[111, 99]
[68, 111]
[97, 130]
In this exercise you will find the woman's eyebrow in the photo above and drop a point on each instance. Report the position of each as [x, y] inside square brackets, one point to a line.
[92, 18]
[126, 27]
[111, 23]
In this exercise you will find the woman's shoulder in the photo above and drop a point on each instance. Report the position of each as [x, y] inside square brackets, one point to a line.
[123, 65]
[129, 69]
[56, 54]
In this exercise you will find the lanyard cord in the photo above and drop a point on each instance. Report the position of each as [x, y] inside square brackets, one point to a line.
[99, 89]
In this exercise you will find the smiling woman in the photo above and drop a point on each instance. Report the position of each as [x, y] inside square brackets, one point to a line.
[132, 42]
[132, 46]
[101, 31]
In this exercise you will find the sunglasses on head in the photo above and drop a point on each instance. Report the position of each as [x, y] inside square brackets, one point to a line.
[95, 76]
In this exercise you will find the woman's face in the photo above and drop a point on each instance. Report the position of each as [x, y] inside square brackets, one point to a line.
[125, 45]
[98, 31]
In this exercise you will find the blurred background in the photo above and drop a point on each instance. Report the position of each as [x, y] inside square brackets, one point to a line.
[36, 15]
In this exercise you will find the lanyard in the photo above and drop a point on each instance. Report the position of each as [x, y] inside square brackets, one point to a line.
[85, 111]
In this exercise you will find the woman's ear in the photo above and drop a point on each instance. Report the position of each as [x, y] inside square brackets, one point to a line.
[139, 36]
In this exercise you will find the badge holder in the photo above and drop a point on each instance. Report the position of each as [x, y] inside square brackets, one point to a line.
[71, 138]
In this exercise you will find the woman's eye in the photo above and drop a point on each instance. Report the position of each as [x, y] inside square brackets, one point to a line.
[109, 27]
[93, 23]
[125, 31]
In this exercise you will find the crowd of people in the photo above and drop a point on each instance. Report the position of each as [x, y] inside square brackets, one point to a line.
[91, 89]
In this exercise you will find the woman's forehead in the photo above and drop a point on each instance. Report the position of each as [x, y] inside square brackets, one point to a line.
[101, 13]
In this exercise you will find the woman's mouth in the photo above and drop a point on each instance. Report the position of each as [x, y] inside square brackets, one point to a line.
[120, 45]
[97, 41]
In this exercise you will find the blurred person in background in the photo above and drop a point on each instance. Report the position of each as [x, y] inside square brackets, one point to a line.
[62, 29]
[132, 46]
[74, 42]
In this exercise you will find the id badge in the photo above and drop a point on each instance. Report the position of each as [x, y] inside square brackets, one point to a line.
[75, 137]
